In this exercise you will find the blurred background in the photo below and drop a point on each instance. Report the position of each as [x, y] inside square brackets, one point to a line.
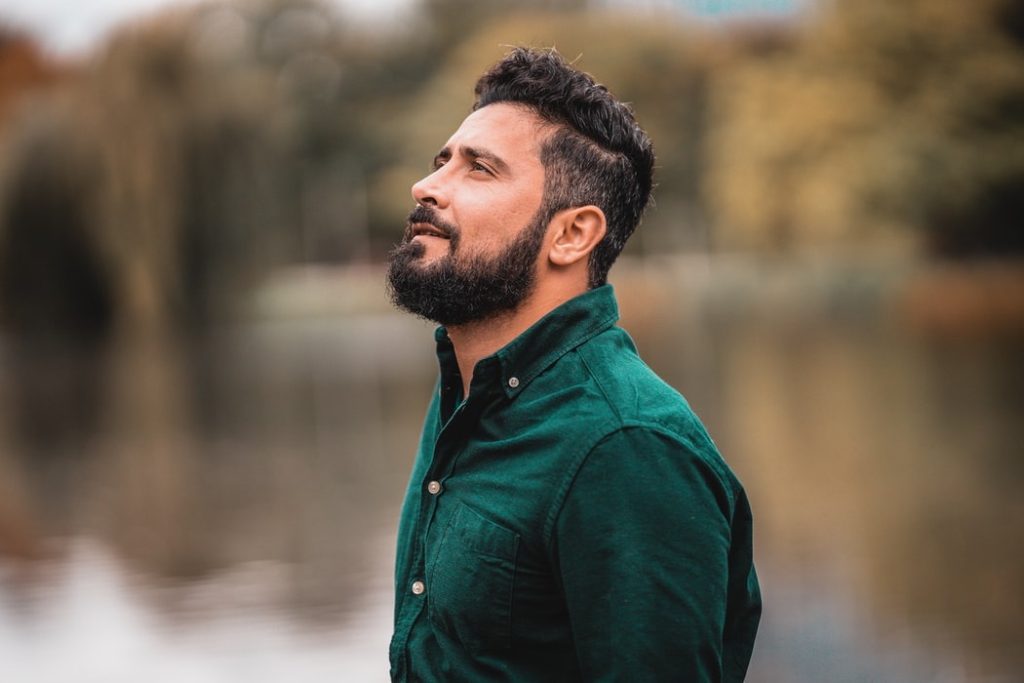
[208, 409]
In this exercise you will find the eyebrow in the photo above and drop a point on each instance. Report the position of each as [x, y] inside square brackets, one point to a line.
[474, 153]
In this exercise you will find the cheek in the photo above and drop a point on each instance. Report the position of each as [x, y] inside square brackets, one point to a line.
[490, 216]
[499, 217]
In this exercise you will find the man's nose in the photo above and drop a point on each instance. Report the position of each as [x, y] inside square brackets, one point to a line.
[430, 190]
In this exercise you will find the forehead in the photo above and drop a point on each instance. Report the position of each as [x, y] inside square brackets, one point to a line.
[511, 131]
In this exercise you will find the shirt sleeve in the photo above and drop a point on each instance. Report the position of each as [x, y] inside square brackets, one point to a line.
[641, 545]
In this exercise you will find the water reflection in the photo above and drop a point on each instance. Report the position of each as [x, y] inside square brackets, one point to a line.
[228, 509]
[88, 619]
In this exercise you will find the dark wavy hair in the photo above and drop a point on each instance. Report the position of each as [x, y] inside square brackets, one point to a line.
[598, 154]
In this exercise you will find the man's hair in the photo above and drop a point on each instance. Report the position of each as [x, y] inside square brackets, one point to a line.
[598, 155]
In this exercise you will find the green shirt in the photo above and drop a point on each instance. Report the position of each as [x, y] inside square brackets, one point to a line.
[570, 521]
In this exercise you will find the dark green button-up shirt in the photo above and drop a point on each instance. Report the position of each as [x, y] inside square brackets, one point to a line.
[570, 521]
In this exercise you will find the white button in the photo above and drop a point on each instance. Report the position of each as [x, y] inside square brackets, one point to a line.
[513, 382]
[418, 588]
[434, 487]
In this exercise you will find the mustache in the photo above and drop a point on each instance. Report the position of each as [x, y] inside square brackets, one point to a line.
[426, 215]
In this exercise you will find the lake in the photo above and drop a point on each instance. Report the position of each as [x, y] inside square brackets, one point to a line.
[223, 509]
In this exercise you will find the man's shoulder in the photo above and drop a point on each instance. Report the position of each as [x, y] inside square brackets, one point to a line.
[601, 387]
[632, 391]
[652, 420]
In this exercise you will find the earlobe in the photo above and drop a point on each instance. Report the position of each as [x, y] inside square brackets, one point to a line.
[577, 232]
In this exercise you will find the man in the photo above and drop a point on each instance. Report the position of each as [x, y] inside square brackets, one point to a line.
[568, 517]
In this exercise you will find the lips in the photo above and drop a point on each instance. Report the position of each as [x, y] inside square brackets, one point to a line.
[423, 221]
[428, 230]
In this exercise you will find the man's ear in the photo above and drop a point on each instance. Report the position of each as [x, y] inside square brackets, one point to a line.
[576, 232]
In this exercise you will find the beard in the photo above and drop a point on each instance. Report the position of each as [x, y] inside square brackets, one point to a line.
[457, 289]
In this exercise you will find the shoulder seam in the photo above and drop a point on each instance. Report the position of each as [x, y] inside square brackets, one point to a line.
[562, 493]
[600, 387]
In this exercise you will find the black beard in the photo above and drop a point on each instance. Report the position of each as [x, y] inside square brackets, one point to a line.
[455, 290]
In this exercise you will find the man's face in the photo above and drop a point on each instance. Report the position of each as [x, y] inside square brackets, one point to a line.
[471, 246]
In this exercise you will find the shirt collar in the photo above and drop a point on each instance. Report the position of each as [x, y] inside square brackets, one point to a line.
[561, 330]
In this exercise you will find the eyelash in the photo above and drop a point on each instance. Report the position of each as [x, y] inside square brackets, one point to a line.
[476, 166]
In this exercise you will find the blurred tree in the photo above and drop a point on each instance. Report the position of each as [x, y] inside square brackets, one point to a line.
[23, 69]
[883, 116]
[52, 289]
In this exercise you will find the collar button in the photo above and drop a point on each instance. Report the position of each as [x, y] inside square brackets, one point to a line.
[513, 382]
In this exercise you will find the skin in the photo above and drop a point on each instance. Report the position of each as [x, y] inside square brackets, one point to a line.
[489, 182]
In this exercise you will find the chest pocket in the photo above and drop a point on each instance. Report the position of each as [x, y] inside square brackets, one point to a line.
[470, 583]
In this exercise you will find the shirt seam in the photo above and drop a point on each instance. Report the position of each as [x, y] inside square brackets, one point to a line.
[562, 494]
[600, 387]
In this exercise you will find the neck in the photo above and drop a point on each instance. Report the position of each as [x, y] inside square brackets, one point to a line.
[476, 340]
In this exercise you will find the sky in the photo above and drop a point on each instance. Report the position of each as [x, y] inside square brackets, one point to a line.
[69, 27]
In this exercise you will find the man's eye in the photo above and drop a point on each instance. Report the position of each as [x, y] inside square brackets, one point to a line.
[477, 166]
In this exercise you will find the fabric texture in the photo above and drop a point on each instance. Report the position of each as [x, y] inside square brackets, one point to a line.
[570, 521]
